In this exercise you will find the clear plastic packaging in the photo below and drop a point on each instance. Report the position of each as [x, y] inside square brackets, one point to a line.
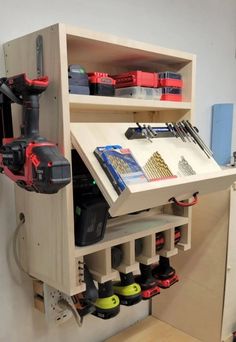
[139, 93]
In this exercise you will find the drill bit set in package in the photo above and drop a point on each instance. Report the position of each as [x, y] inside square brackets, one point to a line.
[120, 166]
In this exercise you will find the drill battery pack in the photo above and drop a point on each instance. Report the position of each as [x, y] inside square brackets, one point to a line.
[166, 283]
[136, 78]
[170, 79]
[91, 214]
[128, 291]
[147, 282]
[101, 84]
[149, 287]
[149, 293]
[128, 294]
[107, 304]
[164, 274]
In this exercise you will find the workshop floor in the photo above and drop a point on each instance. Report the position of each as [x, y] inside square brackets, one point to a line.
[151, 330]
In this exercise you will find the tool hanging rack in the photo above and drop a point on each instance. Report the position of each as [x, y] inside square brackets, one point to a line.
[183, 130]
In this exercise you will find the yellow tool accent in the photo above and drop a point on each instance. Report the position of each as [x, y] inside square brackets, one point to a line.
[107, 303]
[128, 290]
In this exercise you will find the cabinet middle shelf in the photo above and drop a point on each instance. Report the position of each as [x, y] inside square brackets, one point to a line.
[105, 103]
[119, 233]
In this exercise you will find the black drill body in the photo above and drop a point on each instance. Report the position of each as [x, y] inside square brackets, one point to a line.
[30, 160]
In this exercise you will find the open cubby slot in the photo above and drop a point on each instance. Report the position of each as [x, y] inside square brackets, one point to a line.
[128, 263]
[169, 248]
[185, 240]
[99, 265]
[185, 230]
[147, 254]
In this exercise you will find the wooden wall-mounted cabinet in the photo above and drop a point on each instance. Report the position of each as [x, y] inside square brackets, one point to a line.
[47, 244]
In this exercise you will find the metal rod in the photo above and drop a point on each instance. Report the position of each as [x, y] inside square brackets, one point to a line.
[183, 131]
[186, 131]
[193, 133]
[197, 138]
[169, 126]
[204, 145]
[179, 132]
[151, 130]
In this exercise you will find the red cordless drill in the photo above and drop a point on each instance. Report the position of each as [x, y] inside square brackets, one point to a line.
[30, 160]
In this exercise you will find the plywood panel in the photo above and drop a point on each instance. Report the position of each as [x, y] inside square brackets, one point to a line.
[195, 304]
[229, 313]
[86, 137]
[48, 229]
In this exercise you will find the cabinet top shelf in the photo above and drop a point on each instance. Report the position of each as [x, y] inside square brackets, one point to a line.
[86, 37]
[85, 102]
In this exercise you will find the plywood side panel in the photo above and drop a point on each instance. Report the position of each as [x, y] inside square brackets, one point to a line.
[228, 338]
[194, 305]
[229, 313]
[48, 227]
[188, 85]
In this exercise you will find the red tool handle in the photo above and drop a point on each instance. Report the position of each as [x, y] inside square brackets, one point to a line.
[185, 204]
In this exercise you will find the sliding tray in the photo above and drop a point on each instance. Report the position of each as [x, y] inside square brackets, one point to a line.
[206, 175]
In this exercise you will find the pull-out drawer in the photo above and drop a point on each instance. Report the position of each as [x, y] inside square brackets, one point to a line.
[206, 175]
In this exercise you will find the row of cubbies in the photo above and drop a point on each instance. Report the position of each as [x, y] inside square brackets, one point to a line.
[100, 262]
